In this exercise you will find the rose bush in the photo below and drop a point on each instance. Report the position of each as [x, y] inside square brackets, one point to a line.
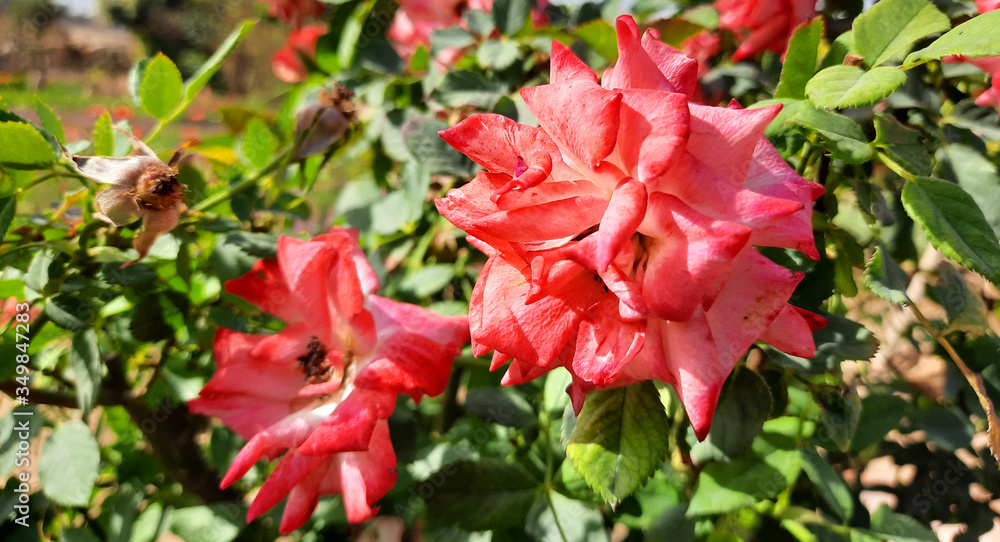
[768, 285]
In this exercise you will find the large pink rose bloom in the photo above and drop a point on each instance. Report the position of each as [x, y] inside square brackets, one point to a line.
[320, 390]
[621, 233]
[763, 25]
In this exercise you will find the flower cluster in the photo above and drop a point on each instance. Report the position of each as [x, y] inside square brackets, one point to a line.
[621, 233]
[763, 25]
[319, 392]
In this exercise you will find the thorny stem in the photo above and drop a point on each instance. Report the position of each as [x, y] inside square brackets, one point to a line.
[974, 379]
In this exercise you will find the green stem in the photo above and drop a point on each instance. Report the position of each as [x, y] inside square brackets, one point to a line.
[555, 517]
[468, 362]
[895, 167]
[241, 186]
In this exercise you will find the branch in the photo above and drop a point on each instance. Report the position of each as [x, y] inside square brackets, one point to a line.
[974, 379]
[172, 433]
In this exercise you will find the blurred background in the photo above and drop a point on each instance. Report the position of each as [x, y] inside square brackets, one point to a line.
[76, 55]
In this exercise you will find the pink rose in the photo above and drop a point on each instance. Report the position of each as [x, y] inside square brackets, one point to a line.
[990, 64]
[763, 25]
[621, 233]
[294, 11]
[318, 392]
[287, 63]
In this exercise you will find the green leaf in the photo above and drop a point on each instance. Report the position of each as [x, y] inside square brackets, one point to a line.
[557, 517]
[161, 88]
[148, 322]
[840, 340]
[880, 413]
[23, 147]
[119, 513]
[69, 464]
[214, 523]
[510, 15]
[828, 483]
[452, 37]
[742, 411]
[428, 281]
[85, 365]
[619, 440]
[460, 88]
[840, 418]
[903, 145]
[885, 278]
[104, 136]
[773, 465]
[976, 37]
[50, 121]
[261, 245]
[421, 139]
[842, 136]
[977, 176]
[8, 208]
[789, 108]
[135, 79]
[351, 32]
[38, 270]
[69, 313]
[889, 525]
[839, 49]
[599, 36]
[839, 87]
[480, 495]
[498, 55]
[133, 275]
[954, 224]
[800, 60]
[890, 26]
[504, 406]
[259, 144]
[200, 78]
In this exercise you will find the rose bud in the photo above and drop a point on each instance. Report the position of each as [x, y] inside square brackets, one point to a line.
[141, 187]
[326, 119]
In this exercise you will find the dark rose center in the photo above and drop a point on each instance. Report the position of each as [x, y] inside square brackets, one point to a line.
[159, 189]
[314, 363]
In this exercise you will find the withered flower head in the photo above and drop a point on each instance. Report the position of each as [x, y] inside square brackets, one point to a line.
[141, 187]
[328, 118]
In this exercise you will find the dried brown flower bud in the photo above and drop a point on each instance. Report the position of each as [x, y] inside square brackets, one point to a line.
[327, 119]
[141, 187]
